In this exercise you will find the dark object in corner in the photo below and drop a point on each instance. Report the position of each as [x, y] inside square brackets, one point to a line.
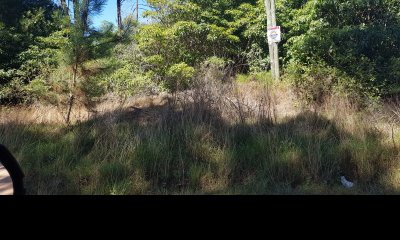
[13, 168]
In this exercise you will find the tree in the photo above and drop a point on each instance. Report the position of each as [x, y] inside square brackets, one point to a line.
[18, 30]
[187, 32]
[119, 17]
[80, 46]
[361, 39]
[22, 24]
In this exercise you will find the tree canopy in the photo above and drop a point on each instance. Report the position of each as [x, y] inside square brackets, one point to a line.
[356, 41]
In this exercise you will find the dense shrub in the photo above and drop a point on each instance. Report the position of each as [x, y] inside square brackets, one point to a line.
[360, 39]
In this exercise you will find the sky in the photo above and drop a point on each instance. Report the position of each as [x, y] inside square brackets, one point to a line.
[110, 11]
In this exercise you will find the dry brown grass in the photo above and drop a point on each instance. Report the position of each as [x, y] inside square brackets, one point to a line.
[247, 137]
[40, 113]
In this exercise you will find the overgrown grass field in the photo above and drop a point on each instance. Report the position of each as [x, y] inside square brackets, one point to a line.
[205, 144]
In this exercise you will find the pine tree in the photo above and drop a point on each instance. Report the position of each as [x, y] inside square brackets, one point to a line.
[80, 45]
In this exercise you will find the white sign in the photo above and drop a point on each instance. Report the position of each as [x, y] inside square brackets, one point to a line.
[274, 34]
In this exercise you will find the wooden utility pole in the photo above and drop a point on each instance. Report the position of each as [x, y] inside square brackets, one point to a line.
[273, 46]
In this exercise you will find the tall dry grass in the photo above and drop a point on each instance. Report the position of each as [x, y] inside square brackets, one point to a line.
[234, 137]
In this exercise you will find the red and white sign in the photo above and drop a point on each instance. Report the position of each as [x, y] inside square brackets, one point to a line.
[274, 34]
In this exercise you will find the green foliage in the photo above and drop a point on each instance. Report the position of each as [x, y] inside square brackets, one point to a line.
[37, 88]
[216, 62]
[359, 38]
[394, 69]
[179, 76]
[26, 49]
[127, 77]
[190, 32]
[21, 22]
[85, 44]
[313, 83]
[126, 83]
[93, 89]
[262, 77]
[12, 92]
[43, 57]
[355, 43]
[52, 43]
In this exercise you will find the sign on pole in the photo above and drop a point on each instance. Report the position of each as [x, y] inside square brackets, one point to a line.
[274, 37]
[274, 34]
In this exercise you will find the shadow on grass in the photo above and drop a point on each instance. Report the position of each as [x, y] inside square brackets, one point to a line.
[191, 150]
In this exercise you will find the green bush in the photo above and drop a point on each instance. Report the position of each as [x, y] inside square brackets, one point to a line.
[37, 88]
[125, 82]
[93, 88]
[179, 76]
[315, 82]
[358, 38]
[394, 69]
[13, 92]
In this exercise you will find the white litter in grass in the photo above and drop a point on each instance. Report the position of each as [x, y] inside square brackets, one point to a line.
[346, 183]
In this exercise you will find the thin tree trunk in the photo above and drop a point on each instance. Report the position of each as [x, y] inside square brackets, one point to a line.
[137, 10]
[81, 13]
[85, 14]
[119, 14]
[70, 105]
[76, 10]
[71, 94]
[65, 7]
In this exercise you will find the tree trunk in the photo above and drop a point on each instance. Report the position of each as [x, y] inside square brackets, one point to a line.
[119, 14]
[64, 7]
[76, 10]
[71, 94]
[70, 105]
[81, 13]
[85, 14]
[137, 10]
